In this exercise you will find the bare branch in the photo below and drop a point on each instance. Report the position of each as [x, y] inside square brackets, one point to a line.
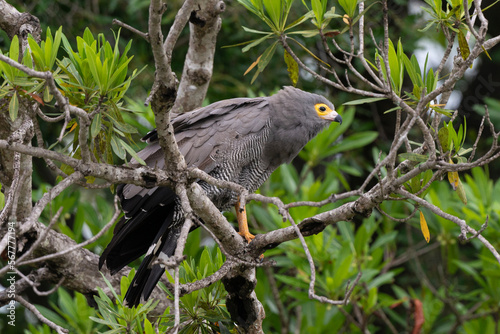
[164, 89]
[323, 79]
[204, 27]
[12, 195]
[47, 198]
[312, 267]
[132, 29]
[34, 285]
[77, 246]
[31, 280]
[38, 240]
[214, 219]
[464, 228]
[16, 23]
[39, 315]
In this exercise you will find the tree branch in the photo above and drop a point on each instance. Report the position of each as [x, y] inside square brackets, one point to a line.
[204, 26]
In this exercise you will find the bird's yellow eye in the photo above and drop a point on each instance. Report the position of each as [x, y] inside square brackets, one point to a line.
[322, 109]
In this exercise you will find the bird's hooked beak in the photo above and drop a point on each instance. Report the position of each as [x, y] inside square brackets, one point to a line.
[333, 117]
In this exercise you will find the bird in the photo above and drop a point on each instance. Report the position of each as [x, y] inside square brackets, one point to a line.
[242, 140]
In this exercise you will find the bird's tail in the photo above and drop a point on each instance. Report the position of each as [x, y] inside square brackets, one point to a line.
[149, 271]
[151, 233]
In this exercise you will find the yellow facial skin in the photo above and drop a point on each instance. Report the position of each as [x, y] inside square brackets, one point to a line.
[325, 111]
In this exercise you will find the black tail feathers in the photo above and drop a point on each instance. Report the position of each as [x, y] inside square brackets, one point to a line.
[150, 271]
[151, 233]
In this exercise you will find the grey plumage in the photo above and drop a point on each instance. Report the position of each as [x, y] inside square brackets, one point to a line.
[242, 140]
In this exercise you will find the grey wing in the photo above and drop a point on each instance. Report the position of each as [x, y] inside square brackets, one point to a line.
[224, 125]
[201, 134]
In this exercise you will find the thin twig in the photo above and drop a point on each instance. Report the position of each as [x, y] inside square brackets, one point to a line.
[34, 285]
[132, 29]
[47, 198]
[80, 245]
[37, 242]
[464, 228]
[40, 316]
[312, 294]
[11, 194]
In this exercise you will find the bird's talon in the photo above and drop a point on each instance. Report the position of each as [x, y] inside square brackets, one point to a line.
[247, 235]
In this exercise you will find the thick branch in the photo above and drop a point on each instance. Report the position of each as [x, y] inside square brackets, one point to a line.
[205, 23]
[16, 23]
[164, 89]
[241, 300]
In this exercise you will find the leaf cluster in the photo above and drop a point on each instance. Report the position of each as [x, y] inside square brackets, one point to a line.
[94, 77]
[202, 311]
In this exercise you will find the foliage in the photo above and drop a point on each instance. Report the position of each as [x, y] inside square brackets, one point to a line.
[448, 279]
[117, 316]
[202, 311]
[70, 312]
[93, 78]
[339, 253]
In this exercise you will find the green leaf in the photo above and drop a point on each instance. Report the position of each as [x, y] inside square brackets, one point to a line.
[354, 141]
[381, 280]
[319, 9]
[371, 301]
[2, 198]
[47, 97]
[88, 37]
[55, 48]
[123, 127]
[13, 107]
[289, 179]
[467, 268]
[384, 239]
[363, 101]
[306, 33]
[117, 148]
[264, 60]
[431, 80]
[443, 138]
[310, 53]
[413, 157]
[292, 68]
[260, 32]
[148, 327]
[461, 192]
[37, 54]
[396, 65]
[413, 70]
[464, 46]
[131, 151]
[300, 20]
[256, 42]
[11, 72]
[274, 9]
[349, 6]
[95, 65]
[391, 110]
[14, 48]
[96, 126]
[251, 6]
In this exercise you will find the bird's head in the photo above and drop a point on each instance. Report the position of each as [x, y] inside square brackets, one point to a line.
[307, 106]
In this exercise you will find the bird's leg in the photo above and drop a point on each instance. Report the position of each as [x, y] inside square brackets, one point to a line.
[241, 216]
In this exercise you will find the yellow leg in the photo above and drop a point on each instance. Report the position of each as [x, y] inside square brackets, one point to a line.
[241, 216]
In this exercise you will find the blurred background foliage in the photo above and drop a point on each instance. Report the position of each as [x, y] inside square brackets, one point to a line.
[454, 285]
